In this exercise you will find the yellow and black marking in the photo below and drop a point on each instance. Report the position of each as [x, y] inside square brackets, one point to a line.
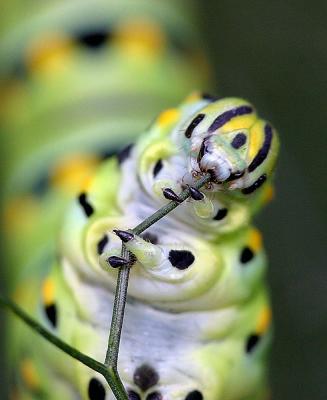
[253, 246]
[49, 304]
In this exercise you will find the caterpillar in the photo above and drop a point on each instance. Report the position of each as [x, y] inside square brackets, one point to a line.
[198, 316]
[197, 320]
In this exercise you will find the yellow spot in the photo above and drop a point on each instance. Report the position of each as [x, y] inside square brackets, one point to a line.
[48, 291]
[256, 139]
[29, 374]
[268, 194]
[20, 214]
[168, 117]
[264, 320]
[74, 173]
[49, 53]
[241, 122]
[140, 37]
[193, 97]
[255, 240]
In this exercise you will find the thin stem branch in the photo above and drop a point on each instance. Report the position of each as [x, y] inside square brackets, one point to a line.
[50, 337]
[123, 277]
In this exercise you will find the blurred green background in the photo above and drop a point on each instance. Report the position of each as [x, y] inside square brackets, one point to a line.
[275, 54]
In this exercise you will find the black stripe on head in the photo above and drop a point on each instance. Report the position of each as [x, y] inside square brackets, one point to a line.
[238, 140]
[263, 152]
[259, 182]
[195, 122]
[225, 117]
[88, 209]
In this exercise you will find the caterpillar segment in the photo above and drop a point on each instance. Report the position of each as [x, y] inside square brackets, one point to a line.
[198, 319]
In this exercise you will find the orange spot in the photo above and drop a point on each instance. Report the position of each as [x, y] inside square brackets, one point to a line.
[48, 290]
[29, 374]
[268, 194]
[140, 37]
[74, 173]
[264, 320]
[255, 240]
[168, 117]
[49, 53]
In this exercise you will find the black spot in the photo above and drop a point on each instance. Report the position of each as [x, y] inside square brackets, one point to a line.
[221, 214]
[145, 377]
[195, 395]
[88, 209]
[181, 259]
[133, 395]
[252, 342]
[238, 140]
[154, 396]
[150, 237]
[93, 40]
[246, 255]
[195, 122]
[259, 182]
[102, 244]
[96, 390]
[209, 97]
[264, 150]
[226, 116]
[124, 153]
[157, 168]
[51, 313]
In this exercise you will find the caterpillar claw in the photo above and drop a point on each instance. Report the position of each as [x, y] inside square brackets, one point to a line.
[196, 194]
[117, 262]
[169, 194]
[125, 236]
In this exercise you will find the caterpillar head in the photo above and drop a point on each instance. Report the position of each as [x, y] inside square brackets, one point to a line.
[229, 140]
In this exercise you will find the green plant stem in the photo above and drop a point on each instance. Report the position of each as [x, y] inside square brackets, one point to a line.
[123, 277]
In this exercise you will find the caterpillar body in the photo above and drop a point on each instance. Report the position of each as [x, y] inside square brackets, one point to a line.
[79, 79]
[198, 317]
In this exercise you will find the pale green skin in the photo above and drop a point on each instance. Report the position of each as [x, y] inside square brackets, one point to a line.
[190, 325]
